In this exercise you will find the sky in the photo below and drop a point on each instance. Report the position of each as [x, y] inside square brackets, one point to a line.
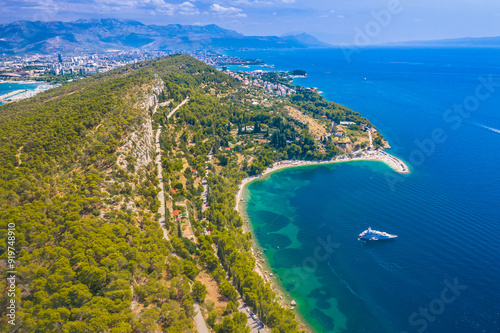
[332, 21]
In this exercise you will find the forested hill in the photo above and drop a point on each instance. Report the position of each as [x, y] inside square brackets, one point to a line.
[79, 193]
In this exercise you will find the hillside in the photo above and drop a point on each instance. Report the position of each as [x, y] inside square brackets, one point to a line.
[79, 188]
[114, 34]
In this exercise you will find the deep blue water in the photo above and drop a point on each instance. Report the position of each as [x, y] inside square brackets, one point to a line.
[446, 212]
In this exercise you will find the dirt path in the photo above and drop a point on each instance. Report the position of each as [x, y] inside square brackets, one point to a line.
[161, 195]
[18, 155]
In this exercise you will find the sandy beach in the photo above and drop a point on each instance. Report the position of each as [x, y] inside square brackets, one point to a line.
[365, 155]
[262, 267]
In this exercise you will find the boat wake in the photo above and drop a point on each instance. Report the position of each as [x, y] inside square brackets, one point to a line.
[384, 264]
[344, 282]
[489, 128]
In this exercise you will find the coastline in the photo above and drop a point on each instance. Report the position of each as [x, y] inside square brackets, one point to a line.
[21, 94]
[23, 82]
[374, 155]
[262, 266]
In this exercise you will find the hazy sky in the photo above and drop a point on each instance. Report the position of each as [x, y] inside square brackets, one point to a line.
[333, 21]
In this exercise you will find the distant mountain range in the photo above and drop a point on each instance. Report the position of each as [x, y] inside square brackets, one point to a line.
[113, 34]
[457, 42]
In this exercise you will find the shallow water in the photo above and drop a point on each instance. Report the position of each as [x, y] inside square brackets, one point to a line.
[446, 212]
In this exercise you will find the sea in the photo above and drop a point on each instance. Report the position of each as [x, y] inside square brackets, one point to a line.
[439, 108]
[7, 87]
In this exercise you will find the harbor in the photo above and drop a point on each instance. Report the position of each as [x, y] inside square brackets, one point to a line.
[20, 94]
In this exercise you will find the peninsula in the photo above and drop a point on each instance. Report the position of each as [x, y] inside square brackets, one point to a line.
[122, 191]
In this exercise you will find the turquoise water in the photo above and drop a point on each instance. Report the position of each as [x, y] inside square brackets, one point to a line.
[6, 87]
[446, 212]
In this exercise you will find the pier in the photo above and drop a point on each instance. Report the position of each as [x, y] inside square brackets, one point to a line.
[7, 97]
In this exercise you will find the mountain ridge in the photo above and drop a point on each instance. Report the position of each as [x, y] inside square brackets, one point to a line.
[97, 35]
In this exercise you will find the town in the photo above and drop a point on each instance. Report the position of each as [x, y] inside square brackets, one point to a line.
[48, 67]
[254, 78]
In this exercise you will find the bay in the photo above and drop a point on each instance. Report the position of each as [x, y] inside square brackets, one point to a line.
[446, 212]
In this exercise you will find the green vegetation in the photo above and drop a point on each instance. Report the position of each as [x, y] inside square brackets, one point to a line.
[311, 102]
[90, 257]
[77, 177]
[298, 72]
[199, 291]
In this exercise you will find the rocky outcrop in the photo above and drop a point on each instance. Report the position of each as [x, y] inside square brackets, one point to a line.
[141, 143]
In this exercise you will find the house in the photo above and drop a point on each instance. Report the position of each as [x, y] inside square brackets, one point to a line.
[176, 212]
[260, 141]
[174, 191]
[347, 123]
[324, 117]
[339, 134]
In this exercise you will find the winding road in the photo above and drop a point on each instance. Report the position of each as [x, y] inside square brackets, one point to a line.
[201, 325]
[161, 195]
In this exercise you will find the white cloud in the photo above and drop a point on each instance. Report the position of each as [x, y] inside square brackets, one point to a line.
[153, 6]
[187, 8]
[252, 3]
[227, 11]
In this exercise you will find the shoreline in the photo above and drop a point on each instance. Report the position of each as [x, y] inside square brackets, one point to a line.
[264, 269]
[374, 155]
[262, 266]
[24, 82]
[21, 94]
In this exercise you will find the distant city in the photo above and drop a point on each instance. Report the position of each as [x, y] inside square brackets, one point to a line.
[43, 66]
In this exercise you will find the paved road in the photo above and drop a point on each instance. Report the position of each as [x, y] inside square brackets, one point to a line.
[201, 325]
[177, 107]
[253, 322]
[204, 195]
[255, 325]
[161, 195]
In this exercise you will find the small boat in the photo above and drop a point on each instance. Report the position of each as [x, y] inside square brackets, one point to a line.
[365, 78]
[373, 235]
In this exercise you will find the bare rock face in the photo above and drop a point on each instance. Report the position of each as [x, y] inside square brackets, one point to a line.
[141, 143]
[149, 102]
[157, 88]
